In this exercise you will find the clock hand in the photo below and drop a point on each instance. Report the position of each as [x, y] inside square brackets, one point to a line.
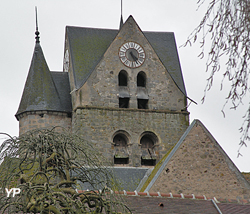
[133, 56]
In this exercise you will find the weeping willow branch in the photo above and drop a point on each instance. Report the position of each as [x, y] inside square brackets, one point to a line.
[48, 166]
[226, 26]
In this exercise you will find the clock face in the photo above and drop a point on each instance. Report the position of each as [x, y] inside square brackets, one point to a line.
[132, 54]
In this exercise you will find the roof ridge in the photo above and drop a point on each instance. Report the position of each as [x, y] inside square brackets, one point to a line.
[176, 196]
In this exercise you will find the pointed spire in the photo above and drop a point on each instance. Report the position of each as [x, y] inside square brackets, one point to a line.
[40, 92]
[37, 32]
[121, 21]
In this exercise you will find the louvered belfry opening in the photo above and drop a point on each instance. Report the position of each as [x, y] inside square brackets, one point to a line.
[148, 142]
[123, 102]
[120, 142]
[142, 104]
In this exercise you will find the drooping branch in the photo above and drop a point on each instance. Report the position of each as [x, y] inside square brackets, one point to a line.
[226, 28]
[49, 166]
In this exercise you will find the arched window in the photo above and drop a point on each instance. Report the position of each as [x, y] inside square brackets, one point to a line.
[148, 142]
[120, 142]
[123, 78]
[141, 79]
[142, 96]
[123, 89]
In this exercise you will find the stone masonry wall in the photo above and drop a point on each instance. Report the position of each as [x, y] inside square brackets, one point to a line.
[201, 167]
[43, 119]
[99, 125]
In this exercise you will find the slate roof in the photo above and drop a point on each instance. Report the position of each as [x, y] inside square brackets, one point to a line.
[153, 205]
[44, 90]
[88, 45]
[234, 208]
[162, 203]
[61, 80]
[128, 178]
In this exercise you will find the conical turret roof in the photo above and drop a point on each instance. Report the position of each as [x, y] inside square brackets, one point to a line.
[40, 92]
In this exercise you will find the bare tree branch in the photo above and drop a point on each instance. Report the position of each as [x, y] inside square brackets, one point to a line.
[226, 24]
[48, 166]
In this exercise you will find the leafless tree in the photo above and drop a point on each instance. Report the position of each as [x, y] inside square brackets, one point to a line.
[226, 24]
[49, 167]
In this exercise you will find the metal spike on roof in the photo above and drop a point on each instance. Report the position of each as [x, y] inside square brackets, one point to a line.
[37, 32]
[121, 21]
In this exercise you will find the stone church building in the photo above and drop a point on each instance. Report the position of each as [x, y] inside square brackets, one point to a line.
[123, 90]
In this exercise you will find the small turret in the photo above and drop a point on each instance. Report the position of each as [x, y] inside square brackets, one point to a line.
[41, 94]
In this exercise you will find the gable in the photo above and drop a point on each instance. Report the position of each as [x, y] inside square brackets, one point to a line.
[198, 165]
[88, 45]
[161, 91]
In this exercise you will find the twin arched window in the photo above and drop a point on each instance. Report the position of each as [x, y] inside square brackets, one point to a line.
[123, 79]
[148, 142]
[142, 97]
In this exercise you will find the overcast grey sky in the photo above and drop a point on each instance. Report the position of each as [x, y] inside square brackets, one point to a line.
[17, 39]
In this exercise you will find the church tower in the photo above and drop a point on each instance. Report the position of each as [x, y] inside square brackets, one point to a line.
[122, 90]
[127, 90]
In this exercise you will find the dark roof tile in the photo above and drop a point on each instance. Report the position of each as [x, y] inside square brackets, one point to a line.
[44, 90]
[61, 80]
[150, 205]
[234, 208]
[127, 177]
[87, 46]
[39, 92]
